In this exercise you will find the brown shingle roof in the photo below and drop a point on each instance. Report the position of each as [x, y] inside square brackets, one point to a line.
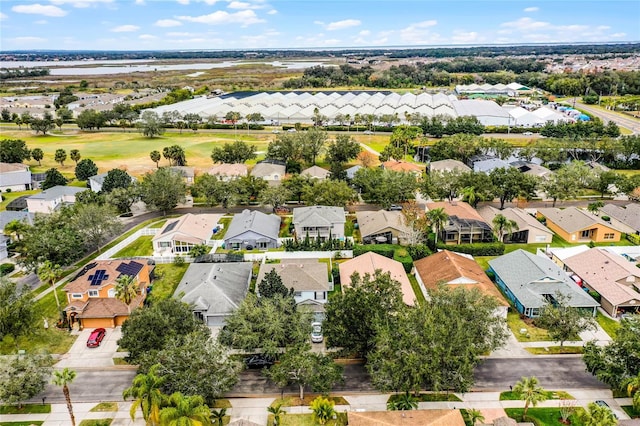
[226, 169]
[12, 167]
[402, 166]
[299, 274]
[82, 281]
[457, 208]
[408, 418]
[371, 223]
[108, 307]
[447, 266]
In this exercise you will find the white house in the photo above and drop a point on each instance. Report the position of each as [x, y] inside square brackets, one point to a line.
[52, 199]
[319, 222]
[179, 236]
[14, 177]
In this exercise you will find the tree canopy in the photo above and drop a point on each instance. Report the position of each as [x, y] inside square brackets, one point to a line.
[163, 189]
[13, 151]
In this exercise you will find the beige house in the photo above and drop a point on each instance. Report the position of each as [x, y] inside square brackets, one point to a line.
[369, 263]
[529, 231]
[464, 225]
[575, 225]
[382, 227]
[626, 218]
[227, 172]
[270, 172]
[448, 166]
[319, 222]
[403, 166]
[178, 236]
[188, 173]
[316, 172]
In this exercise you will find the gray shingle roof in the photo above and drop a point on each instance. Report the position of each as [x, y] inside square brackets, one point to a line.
[572, 219]
[530, 277]
[57, 191]
[258, 222]
[9, 216]
[629, 215]
[318, 215]
[521, 217]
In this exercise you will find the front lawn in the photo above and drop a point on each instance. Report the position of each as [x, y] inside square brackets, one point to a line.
[142, 246]
[96, 422]
[225, 221]
[415, 285]
[31, 423]
[167, 278]
[8, 197]
[26, 409]
[294, 401]
[543, 416]
[429, 397]
[306, 420]
[105, 406]
[555, 350]
[631, 412]
[609, 325]
[515, 396]
[532, 333]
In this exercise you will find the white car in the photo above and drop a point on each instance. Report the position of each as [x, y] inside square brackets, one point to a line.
[316, 332]
[527, 133]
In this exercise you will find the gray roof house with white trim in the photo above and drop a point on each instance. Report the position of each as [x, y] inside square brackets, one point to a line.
[214, 290]
[10, 216]
[252, 229]
[531, 282]
[15, 176]
[626, 218]
[52, 199]
[319, 221]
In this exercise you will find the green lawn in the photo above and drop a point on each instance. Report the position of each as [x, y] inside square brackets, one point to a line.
[294, 401]
[142, 246]
[168, 277]
[158, 224]
[105, 406]
[306, 420]
[631, 412]
[8, 197]
[221, 403]
[285, 223]
[609, 325]
[542, 416]
[430, 397]
[555, 350]
[120, 361]
[26, 409]
[96, 422]
[31, 423]
[514, 396]
[533, 333]
[416, 289]
[225, 221]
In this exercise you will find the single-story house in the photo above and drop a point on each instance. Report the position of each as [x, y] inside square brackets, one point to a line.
[532, 169]
[52, 199]
[403, 166]
[91, 294]
[486, 163]
[615, 278]
[308, 278]
[529, 231]
[559, 254]
[227, 172]
[252, 229]
[457, 270]
[351, 171]
[531, 282]
[271, 172]
[577, 226]
[436, 417]
[316, 172]
[8, 216]
[214, 290]
[319, 222]
[369, 263]
[448, 166]
[96, 182]
[465, 225]
[626, 218]
[187, 173]
[15, 177]
[178, 236]
[382, 227]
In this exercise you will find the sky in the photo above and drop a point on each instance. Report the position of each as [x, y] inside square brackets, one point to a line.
[255, 24]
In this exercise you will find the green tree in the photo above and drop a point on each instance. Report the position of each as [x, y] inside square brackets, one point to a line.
[604, 180]
[437, 218]
[13, 151]
[16, 228]
[530, 390]
[41, 125]
[297, 185]
[596, 415]
[313, 142]
[503, 226]
[23, 378]
[475, 416]
[277, 412]
[63, 379]
[561, 185]
[155, 157]
[17, 310]
[286, 147]
[146, 391]
[115, 178]
[563, 321]
[632, 387]
[442, 185]
[85, 169]
[123, 198]
[126, 289]
[271, 284]
[49, 273]
[175, 154]
[249, 188]
[323, 410]
[37, 154]
[185, 411]
[275, 196]
[235, 152]
[215, 190]
[233, 117]
[163, 190]
[75, 156]
[96, 224]
[150, 124]
[89, 197]
[595, 207]
[53, 178]
[339, 152]
[60, 156]
[403, 402]
[199, 250]
[511, 183]
[217, 416]
[329, 193]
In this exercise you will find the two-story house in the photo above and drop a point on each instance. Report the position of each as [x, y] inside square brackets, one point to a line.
[319, 222]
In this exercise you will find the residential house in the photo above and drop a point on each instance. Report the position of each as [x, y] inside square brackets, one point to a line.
[457, 270]
[96, 182]
[559, 254]
[178, 236]
[626, 219]
[187, 173]
[435, 417]
[252, 229]
[448, 166]
[15, 177]
[486, 163]
[614, 278]
[382, 227]
[403, 166]
[532, 169]
[272, 172]
[531, 282]
[464, 225]
[316, 172]
[369, 263]
[228, 172]
[577, 226]
[52, 199]
[214, 290]
[91, 294]
[529, 230]
[4, 246]
[351, 171]
[319, 222]
[308, 278]
[5, 218]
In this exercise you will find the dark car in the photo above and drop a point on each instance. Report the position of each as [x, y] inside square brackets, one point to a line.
[96, 337]
[259, 361]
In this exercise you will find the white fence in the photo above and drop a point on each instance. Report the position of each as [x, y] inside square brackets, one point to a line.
[124, 243]
[271, 255]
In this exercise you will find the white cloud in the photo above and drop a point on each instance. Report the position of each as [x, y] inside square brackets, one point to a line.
[340, 25]
[39, 9]
[272, 12]
[80, 3]
[244, 17]
[465, 37]
[181, 34]
[531, 9]
[3, 16]
[618, 35]
[140, 2]
[525, 24]
[28, 40]
[167, 23]
[364, 33]
[420, 33]
[530, 30]
[243, 5]
[125, 29]
[185, 2]
[147, 37]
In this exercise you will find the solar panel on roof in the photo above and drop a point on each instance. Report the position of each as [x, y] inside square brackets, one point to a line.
[170, 227]
[131, 268]
[99, 276]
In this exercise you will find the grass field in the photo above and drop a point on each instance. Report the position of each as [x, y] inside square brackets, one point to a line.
[430, 397]
[26, 409]
[514, 396]
[609, 325]
[293, 401]
[168, 277]
[532, 334]
[8, 197]
[306, 420]
[140, 247]
[556, 350]
[30, 423]
[542, 416]
[631, 412]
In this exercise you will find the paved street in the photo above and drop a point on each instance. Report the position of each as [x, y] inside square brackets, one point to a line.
[92, 386]
[621, 120]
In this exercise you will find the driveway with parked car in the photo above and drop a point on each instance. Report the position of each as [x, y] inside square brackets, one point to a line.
[82, 356]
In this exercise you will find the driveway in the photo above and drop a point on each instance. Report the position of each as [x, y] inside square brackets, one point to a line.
[80, 356]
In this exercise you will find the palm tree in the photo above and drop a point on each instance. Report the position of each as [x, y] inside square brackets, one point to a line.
[470, 195]
[504, 226]
[146, 390]
[403, 402]
[17, 228]
[530, 390]
[596, 415]
[595, 206]
[64, 378]
[126, 289]
[322, 409]
[437, 218]
[50, 273]
[277, 412]
[217, 416]
[633, 390]
[185, 411]
[475, 416]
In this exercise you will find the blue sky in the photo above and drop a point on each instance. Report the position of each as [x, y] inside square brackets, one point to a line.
[253, 24]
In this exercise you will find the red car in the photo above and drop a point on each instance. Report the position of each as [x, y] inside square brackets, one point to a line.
[96, 337]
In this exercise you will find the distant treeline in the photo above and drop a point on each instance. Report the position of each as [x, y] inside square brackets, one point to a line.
[9, 74]
[391, 52]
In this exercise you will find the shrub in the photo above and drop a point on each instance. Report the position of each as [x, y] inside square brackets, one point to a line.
[477, 249]
[385, 250]
[595, 295]
[406, 260]
[606, 218]
[7, 268]
[418, 251]
[635, 239]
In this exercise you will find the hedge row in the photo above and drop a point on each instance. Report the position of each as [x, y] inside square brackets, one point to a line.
[7, 268]
[476, 249]
[635, 239]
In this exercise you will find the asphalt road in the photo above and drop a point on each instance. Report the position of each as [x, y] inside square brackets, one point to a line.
[622, 121]
[91, 386]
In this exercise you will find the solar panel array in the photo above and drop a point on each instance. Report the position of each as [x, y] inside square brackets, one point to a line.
[99, 276]
[170, 227]
[130, 269]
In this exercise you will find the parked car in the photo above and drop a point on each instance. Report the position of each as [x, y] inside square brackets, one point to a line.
[95, 338]
[367, 132]
[275, 131]
[316, 332]
[259, 361]
[605, 405]
[395, 207]
[527, 133]
[292, 130]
